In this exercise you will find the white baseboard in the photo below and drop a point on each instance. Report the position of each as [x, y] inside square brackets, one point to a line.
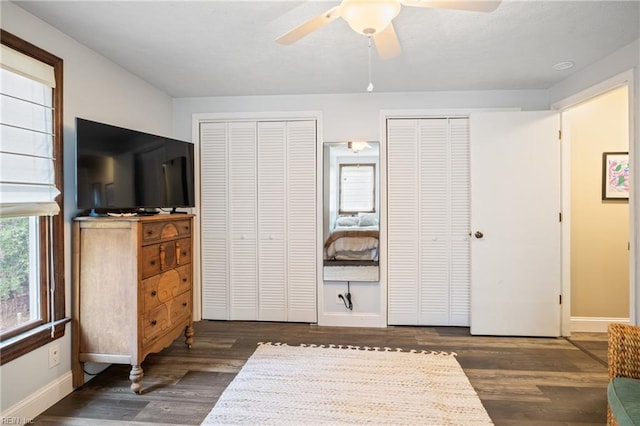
[42, 399]
[351, 320]
[594, 324]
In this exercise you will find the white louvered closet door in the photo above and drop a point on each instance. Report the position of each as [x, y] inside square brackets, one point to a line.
[428, 174]
[258, 217]
[272, 205]
[460, 296]
[301, 221]
[214, 220]
[243, 275]
[434, 222]
[402, 234]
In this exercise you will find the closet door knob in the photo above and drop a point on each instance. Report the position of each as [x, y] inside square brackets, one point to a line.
[478, 234]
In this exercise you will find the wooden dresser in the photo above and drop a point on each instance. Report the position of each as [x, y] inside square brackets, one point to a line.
[133, 290]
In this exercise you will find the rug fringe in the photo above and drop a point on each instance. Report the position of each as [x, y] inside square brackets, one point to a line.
[362, 348]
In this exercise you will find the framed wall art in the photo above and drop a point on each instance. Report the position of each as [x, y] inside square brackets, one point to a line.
[615, 175]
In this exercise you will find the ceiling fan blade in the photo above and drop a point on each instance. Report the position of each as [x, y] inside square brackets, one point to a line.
[387, 43]
[471, 5]
[310, 26]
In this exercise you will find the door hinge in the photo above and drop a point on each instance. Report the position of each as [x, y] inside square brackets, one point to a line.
[560, 217]
[560, 299]
[559, 135]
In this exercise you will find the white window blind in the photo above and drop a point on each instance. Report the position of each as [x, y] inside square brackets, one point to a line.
[357, 188]
[27, 177]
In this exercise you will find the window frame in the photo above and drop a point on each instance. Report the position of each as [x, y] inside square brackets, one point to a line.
[35, 334]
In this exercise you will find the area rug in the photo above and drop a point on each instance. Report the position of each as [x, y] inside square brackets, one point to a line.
[310, 385]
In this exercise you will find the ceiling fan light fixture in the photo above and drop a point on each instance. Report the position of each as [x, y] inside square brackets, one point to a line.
[369, 16]
[357, 146]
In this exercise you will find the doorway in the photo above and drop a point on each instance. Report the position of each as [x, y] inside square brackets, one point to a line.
[596, 136]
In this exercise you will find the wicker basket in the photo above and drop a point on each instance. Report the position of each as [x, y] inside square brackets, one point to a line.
[623, 355]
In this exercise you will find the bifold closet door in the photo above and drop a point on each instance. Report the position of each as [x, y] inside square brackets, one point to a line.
[428, 196]
[228, 220]
[214, 205]
[301, 221]
[259, 220]
[272, 206]
[286, 221]
[460, 222]
[243, 223]
[403, 214]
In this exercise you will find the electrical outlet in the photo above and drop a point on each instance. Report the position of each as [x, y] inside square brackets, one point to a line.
[338, 300]
[54, 356]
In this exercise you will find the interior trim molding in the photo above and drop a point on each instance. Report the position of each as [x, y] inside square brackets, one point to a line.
[594, 324]
[332, 319]
[42, 399]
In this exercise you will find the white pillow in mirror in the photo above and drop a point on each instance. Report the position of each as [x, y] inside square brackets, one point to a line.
[347, 221]
[368, 220]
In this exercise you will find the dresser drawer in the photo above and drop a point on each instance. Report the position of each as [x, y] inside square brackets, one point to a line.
[158, 231]
[161, 257]
[163, 287]
[166, 316]
[181, 307]
[155, 322]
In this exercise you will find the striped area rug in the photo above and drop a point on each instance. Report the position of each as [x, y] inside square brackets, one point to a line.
[311, 384]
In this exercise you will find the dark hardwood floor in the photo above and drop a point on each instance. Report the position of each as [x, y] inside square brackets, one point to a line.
[521, 381]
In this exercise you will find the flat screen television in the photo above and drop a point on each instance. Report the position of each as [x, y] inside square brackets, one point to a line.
[121, 170]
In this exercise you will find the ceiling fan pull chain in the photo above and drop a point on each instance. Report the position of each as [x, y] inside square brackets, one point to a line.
[370, 86]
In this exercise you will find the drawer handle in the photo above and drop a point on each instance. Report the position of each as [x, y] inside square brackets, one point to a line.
[184, 252]
[154, 322]
[149, 232]
[153, 293]
[163, 256]
[178, 253]
[153, 262]
[184, 304]
[184, 280]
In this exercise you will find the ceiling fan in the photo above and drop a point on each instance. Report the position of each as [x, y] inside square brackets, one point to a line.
[373, 18]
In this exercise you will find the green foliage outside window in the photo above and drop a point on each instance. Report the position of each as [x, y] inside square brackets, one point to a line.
[14, 256]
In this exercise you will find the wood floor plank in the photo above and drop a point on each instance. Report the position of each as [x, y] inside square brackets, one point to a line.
[521, 381]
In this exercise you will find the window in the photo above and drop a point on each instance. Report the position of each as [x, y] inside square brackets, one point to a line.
[32, 311]
[357, 188]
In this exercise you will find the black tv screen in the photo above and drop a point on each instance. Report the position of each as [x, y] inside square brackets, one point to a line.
[119, 169]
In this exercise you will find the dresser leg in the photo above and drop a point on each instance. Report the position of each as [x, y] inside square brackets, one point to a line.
[136, 378]
[188, 334]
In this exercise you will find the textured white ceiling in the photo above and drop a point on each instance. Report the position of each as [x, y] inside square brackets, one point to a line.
[226, 48]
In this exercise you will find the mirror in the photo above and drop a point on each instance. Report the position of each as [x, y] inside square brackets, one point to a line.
[351, 211]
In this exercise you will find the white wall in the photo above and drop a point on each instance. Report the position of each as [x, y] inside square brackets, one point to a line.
[599, 229]
[621, 61]
[99, 90]
[353, 116]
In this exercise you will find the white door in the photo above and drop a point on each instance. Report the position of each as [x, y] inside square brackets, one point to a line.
[271, 221]
[515, 223]
[214, 218]
[243, 256]
[301, 221]
[428, 221]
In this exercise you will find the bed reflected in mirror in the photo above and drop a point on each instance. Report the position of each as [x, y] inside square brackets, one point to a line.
[351, 211]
